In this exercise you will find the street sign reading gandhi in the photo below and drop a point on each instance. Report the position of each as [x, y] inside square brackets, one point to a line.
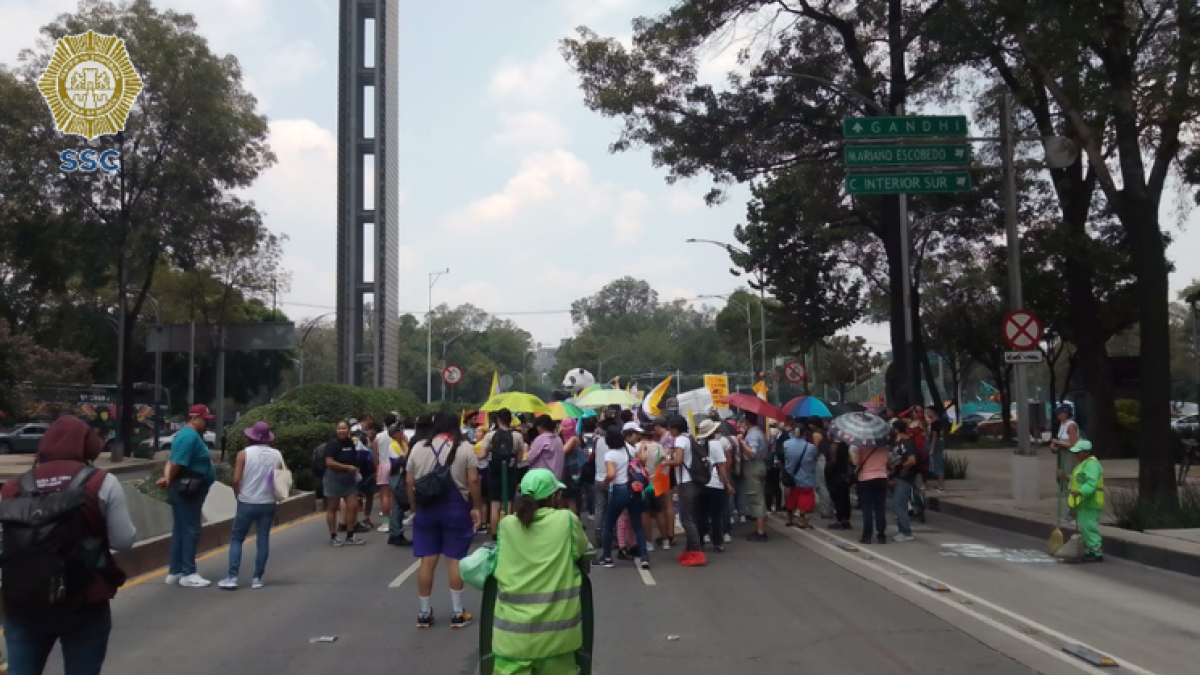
[1022, 330]
[452, 375]
[794, 372]
[904, 127]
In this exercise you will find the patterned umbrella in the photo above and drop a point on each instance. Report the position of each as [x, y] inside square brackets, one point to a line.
[561, 410]
[861, 429]
[807, 406]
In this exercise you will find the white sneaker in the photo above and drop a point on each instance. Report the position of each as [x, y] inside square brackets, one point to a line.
[256, 583]
[383, 528]
[354, 541]
[649, 547]
[228, 583]
[903, 537]
[728, 538]
[666, 545]
[173, 579]
[707, 539]
[194, 581]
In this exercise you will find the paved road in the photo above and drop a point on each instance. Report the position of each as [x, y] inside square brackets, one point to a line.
[777, 607]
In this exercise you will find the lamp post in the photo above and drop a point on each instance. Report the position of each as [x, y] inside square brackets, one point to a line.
[749, 320]
[433, 278]
[762, 298]
[158, 327]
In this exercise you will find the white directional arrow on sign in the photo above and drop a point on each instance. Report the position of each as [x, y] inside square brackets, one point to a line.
[857, 127]
[960, 153]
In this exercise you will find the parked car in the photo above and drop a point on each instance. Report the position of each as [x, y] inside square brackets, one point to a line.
[1187, 426]
[24, 438]
[977, 418]
[164, 442]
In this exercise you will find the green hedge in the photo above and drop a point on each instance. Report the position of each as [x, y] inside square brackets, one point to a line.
[333, 402]
[1129, 424]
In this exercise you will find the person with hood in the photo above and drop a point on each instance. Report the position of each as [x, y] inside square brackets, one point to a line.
[65, 455]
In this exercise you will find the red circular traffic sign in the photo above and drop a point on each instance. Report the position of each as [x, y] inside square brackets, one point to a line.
[452, 375]
[1022, 330]
[794, 371]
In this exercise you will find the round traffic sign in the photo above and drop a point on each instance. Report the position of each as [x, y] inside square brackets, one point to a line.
[1022, 330]
[794, 371]
[452, 375]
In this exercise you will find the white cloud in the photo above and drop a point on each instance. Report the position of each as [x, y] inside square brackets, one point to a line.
[588, 11]
[530, 130]
[628, 218]
[541, 177]
[684, 202]
[542, 78]
[294, 193]
[22, 22]
[295, 61]
[677, 293]
[313, 283]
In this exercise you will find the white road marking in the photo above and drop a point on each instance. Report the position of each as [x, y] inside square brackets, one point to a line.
[646, 578]
[1125, 664]
[405, 575]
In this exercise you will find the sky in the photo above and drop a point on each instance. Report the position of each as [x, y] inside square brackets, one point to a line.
[505, 176]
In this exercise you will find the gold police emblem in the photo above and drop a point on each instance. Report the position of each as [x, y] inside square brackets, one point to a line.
[90, 85]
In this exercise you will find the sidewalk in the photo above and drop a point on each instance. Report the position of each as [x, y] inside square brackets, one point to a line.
[12, 466]
[985, 497]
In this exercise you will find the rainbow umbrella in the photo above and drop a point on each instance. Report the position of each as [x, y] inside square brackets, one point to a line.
[561, 410]
[808, 406]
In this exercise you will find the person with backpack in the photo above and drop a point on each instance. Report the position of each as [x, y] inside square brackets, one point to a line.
[188, 476]
[906, 468]
[62, 500]
[799, 475]
[625, 479]
[716, 493]
[443, 489]
[573, 459]
[693, 471]
[502, 447]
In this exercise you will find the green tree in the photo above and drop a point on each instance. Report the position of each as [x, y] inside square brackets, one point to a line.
[846, 362]
[192, 139]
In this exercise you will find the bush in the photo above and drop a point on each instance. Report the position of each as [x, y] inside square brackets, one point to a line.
[956, 466]
[1129, 424]
[333, 402]
[149, 485]
[297, 442]
[1133, 514]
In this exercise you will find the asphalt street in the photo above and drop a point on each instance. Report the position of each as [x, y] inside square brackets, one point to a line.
[794, 604]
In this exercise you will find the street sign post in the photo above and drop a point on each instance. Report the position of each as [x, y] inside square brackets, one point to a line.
[934, 182]
[452, 375]
[864, 156]
[795, 372]
[1023, 356]
[1022, 330]
[951, 126]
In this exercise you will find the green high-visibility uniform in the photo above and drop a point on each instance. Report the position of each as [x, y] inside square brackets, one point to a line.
[539, 616]
[1088, 479]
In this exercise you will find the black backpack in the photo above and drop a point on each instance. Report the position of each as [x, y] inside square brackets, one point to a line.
[318, 460]
[700, 468]
[47, 562]
[429, 489]
[502, 446]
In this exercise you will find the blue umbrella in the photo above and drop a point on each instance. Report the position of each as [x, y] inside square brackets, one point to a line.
[808, 406]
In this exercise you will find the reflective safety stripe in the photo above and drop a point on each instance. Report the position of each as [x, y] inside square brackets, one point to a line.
[539, 598]
[529, 628]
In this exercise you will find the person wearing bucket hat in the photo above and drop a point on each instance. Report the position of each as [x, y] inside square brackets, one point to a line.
[254, 477]
[537, 557]
[1086, 497]
[717, 490]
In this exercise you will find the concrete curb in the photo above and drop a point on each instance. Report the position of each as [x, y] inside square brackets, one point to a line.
[1134, 551]
[152, 554]
[116, 470]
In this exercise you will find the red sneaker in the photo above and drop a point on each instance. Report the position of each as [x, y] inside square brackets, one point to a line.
[695, 559]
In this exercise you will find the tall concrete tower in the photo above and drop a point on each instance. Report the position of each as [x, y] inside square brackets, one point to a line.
[368, 193]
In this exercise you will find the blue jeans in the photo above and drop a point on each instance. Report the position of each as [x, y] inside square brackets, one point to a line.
[901, 495]
[188, 519]
[620, 499]
[399, 499]
[262, 516]
[83, 635]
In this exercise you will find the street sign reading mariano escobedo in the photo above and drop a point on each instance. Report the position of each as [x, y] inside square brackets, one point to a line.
[90, 86]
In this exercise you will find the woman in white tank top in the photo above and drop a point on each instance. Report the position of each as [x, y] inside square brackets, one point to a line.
[254, 484]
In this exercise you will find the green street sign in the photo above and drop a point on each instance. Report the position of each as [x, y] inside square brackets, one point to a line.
[908, 183]
[860, 156]
[904, 127]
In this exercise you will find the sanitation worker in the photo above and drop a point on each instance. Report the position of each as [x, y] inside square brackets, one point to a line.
[539, 615]
[1086, 497]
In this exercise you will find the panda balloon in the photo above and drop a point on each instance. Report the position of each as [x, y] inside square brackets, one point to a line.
[577, 379]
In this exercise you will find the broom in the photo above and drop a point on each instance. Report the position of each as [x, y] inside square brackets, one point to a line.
[1055, 542]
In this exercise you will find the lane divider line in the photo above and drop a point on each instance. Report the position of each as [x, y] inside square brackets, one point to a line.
[412, 569]
[646, 578]
[941, 597]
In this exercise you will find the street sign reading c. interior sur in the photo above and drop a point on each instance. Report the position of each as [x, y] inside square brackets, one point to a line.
[862, 156]
[905, 127]
[935, 182]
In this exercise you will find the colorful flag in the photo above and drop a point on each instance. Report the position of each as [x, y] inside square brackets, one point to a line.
[760, 390]
[495, 385]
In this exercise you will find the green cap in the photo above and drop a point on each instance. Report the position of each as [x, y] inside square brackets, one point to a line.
[540, 484]
[1082, 446]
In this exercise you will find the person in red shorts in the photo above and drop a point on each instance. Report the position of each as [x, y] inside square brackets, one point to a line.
[800, 476]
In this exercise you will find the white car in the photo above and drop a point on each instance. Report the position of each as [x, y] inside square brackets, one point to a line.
[1186, 427]
[164, 442]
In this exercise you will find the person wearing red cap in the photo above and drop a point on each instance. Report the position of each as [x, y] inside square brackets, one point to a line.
[187, 477]
[82, 620]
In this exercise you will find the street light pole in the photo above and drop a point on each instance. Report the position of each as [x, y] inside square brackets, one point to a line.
[762, 298]
[158, 327]
[749, 321]
[433, 277]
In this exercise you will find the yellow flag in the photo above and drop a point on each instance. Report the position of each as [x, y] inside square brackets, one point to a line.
[691, 421]
[495, 384]
[760, 390]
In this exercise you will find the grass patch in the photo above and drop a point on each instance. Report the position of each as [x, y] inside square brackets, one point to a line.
[956, 466]
[1131, 513]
